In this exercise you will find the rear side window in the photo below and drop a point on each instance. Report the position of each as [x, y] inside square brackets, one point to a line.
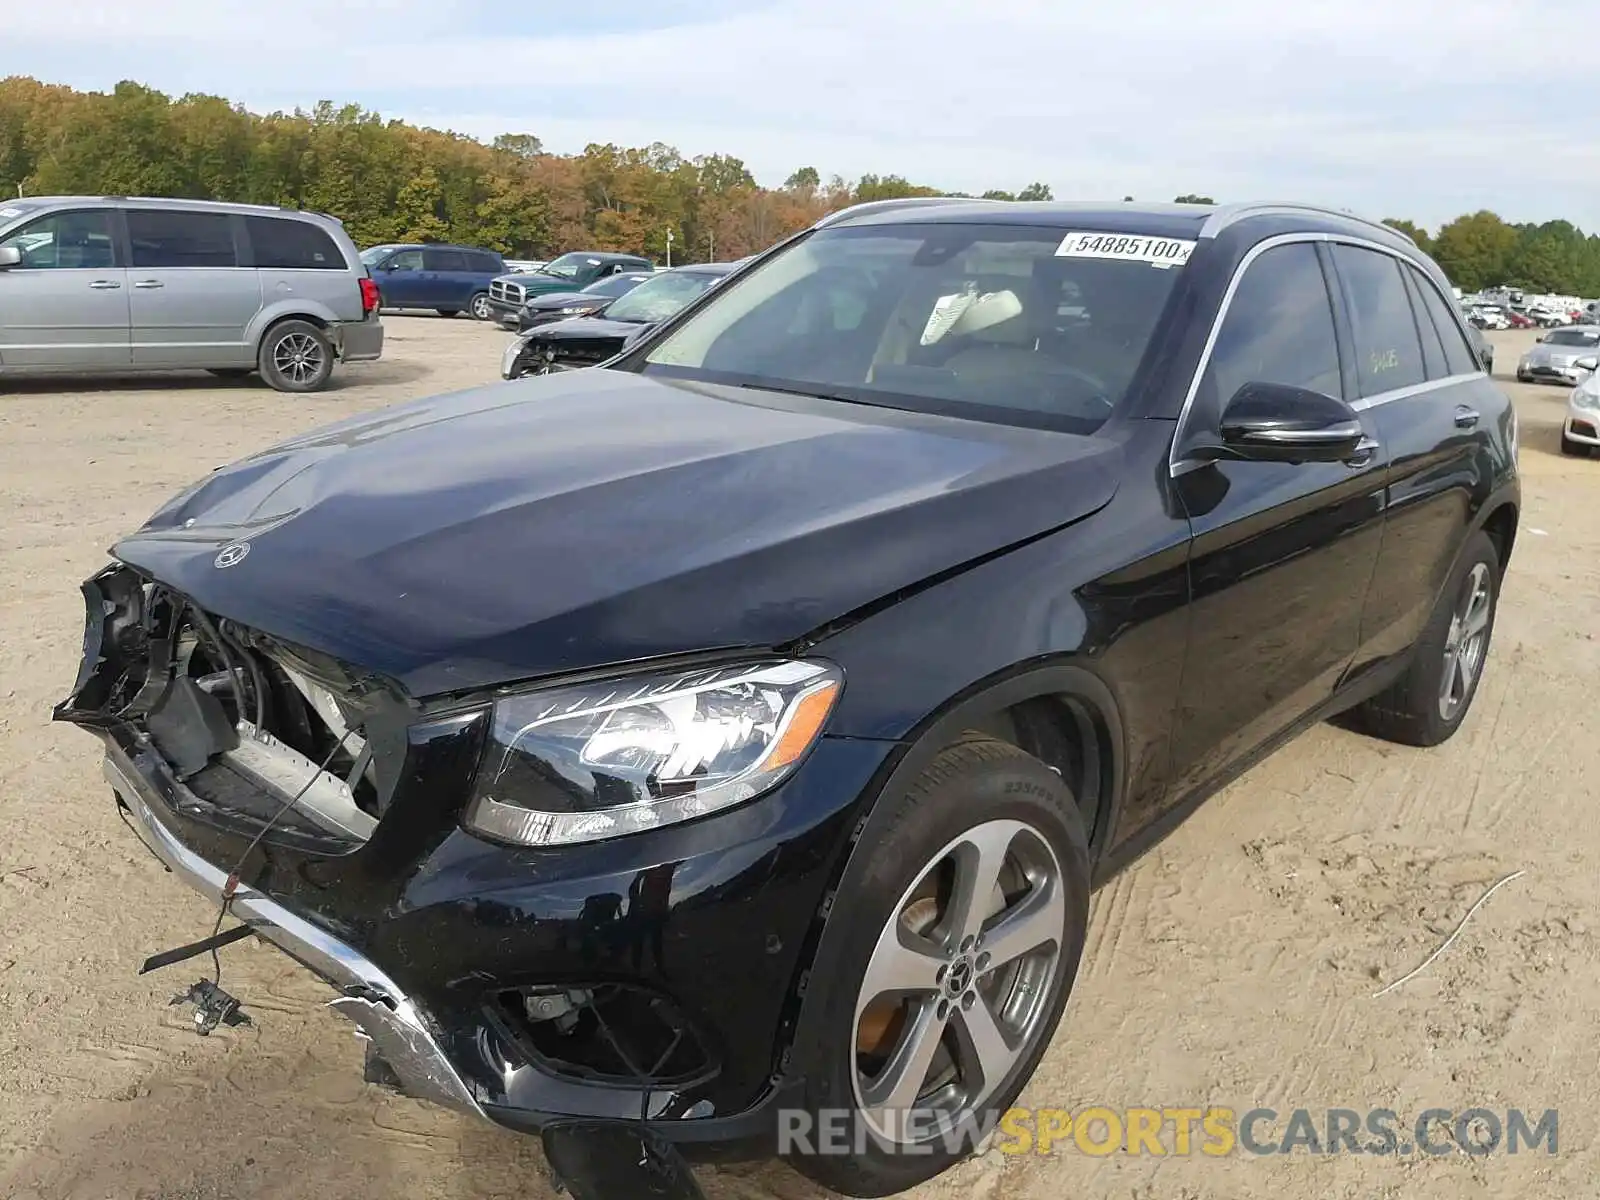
[174, 238]
[288, 244]
[1388, 352]
[1460, 357]
[485, 264]
[1432, 347]
[1279, 327]
[444, 260]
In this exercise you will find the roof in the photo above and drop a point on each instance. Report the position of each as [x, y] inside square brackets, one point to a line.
[716, 268]
[1190, 221]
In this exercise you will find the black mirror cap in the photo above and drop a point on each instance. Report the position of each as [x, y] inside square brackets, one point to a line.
[1274, 422]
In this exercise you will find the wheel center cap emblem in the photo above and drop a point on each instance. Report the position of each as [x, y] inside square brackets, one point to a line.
[959, 977]
[231, 555]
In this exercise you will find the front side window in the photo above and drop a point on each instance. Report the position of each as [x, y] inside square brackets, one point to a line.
[406, 260]
[1388, 352]
[287, 244]
[65, 241]
[615, 285]
[965, 320]
[1278, 328]
[173, 238]
[660, 297]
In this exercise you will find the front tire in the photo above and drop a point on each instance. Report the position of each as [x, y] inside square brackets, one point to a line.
[956, 936]
[478, 306]
[1428, 703]
[296, 356]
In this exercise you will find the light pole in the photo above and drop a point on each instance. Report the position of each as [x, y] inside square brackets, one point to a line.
[669, 246]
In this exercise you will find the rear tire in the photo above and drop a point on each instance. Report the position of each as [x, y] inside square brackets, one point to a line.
[478, 306]
[1419, 709]
[901, 901]
[296, 356]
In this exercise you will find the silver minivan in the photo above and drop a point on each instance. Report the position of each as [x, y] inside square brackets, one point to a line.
[114, 284]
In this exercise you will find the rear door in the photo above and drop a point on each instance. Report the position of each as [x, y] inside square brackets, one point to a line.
[191, 301]
[1439, 432]
[449, 283]
[296, 258]
[66, 304]
[1283, 552]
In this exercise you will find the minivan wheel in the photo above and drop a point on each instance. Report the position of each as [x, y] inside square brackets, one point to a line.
[479, 307]
[955, 939]
[296, 356]
[1428, 703]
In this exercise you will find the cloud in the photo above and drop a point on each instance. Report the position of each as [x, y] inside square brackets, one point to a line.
[1419, 108]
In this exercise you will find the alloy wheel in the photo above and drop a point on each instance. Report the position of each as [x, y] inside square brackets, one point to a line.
[1467, 641]
[480, 308]
[958, 988]
[299, 357]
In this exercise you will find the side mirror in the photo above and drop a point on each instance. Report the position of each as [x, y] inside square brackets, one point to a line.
[1272, 422]
[1588, 364]
[10, 256]
[1540, 338]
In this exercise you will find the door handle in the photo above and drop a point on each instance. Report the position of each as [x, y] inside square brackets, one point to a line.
[1364, 451]
[149, 283]
[1466, 417]
[102, 285]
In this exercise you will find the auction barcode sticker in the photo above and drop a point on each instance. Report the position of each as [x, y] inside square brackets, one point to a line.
[1157, 251]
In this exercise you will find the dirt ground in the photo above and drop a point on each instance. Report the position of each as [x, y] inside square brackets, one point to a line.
[1235, 965]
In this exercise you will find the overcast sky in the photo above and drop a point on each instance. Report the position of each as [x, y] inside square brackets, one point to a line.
[1415, 108]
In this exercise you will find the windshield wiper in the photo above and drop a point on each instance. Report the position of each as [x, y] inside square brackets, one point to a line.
[809, 392]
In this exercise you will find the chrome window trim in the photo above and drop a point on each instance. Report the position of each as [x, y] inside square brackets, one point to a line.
[1177, 466]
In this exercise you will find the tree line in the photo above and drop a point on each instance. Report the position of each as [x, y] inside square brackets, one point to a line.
[389, 181]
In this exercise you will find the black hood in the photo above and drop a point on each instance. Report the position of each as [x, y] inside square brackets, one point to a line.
[562, 299]
[595, 517]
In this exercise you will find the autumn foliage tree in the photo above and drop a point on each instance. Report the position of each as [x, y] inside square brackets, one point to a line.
[390, 181]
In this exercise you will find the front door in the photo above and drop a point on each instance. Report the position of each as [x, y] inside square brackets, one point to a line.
[402, 283]
[1283, 553]
[191, 302]
[66, 304]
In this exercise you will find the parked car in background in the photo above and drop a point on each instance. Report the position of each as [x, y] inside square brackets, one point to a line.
[738, 731]
[559, 306]
[1580, 434]
[568, 273]
[1489, 316]
[119, 283]
[1520, 320]
[584, 341]
[1548, 318]
[1562, 356]
[447, 279]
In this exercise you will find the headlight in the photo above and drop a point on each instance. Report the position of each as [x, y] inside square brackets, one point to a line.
[1585, 397]
[510, 356]
[575, 310]
[600, 760]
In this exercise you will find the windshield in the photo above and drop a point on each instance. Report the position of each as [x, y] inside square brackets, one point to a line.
[1573, 337]
[1018, 324]
[659, 298]
[568, 265]
[376, 254]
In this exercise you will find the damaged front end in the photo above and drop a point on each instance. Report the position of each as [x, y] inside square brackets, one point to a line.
[212, 728]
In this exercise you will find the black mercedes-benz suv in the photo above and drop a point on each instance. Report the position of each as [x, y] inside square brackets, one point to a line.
[737, 730]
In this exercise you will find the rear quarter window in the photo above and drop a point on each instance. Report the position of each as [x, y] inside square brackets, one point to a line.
[287, 244]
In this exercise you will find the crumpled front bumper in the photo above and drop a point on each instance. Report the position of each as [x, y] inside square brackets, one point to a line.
[382, 1011]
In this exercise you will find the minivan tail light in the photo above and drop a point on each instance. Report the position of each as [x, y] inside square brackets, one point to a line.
[369, 296]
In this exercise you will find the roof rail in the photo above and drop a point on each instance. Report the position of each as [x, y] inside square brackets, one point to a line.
[868, 207]
[1230, 214]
